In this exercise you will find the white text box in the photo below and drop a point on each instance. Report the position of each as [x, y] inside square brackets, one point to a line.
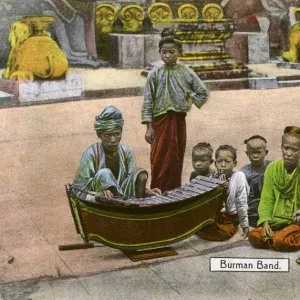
[223, 264]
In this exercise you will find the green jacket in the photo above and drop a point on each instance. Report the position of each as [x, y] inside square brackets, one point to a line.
[280, 195]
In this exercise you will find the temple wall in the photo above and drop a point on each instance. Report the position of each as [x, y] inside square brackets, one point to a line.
[121, 3]
[242, 12]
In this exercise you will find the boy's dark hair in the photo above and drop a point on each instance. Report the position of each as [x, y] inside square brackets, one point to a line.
[226, 148]
[168, 36]
[204, 146]
[255, 137]
[292, 130]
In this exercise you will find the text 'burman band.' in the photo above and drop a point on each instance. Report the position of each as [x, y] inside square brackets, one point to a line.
[223, 264]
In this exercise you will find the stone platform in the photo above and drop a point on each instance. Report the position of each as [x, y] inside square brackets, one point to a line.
[263, 83]
[107, 83]
[28, 92]
[5, 99]
[224, 74]
[204, 49]
[288, 65]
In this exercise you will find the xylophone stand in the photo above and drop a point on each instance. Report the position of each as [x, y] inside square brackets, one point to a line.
[137, 255]
[75, 246]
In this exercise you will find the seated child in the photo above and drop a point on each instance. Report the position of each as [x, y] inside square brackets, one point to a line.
[202, 160]
[279, 206]
[235, 210]
[256, 152]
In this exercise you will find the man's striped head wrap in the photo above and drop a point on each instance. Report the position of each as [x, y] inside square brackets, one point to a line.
[110, 118]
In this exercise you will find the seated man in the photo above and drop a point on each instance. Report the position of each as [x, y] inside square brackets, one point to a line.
[279, 207]
[107, 167]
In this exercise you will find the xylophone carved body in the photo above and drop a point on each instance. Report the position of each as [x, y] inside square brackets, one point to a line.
[149, 223]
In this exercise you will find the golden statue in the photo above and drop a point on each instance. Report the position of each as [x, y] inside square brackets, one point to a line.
[212, 11]
[33, 54]
[132, 17]
[160, 12]
[293, 54]
[188, 12]
[106, 15]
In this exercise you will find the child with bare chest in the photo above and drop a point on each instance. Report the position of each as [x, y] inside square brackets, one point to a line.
[256, 152]
[202, 160]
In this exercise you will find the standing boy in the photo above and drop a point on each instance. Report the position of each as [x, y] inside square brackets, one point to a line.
[169, 94]
[202, 160]
[235, 210]
[256, 152]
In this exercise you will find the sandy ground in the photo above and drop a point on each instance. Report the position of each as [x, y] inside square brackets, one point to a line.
[40, 152]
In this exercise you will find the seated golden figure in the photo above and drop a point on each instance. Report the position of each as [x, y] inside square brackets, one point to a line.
[33, 54]
[212, 11]
[188, 12]
[160, 12]
[293, 54]
[106, 15]
[132, 17]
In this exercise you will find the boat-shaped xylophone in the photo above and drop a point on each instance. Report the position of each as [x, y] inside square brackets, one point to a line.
[148, 223]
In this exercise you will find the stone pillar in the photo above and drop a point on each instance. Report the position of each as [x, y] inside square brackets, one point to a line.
[249, 47]
[152, 54]
[258, 48]
[237, 46]
[127, 50]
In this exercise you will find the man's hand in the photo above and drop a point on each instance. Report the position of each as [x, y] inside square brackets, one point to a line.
[107, 194]
[266, 231]
[152, 192]
[296, 217]
[156, 191]
[246, 232]
[149, 136]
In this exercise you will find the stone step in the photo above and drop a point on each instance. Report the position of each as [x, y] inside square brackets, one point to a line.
[288, 65]
[225, 74]
[202, 47]
[6, 99]
[288, 77]
[227, 84]
[261, 83]
[288, 83]
[114, 93]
